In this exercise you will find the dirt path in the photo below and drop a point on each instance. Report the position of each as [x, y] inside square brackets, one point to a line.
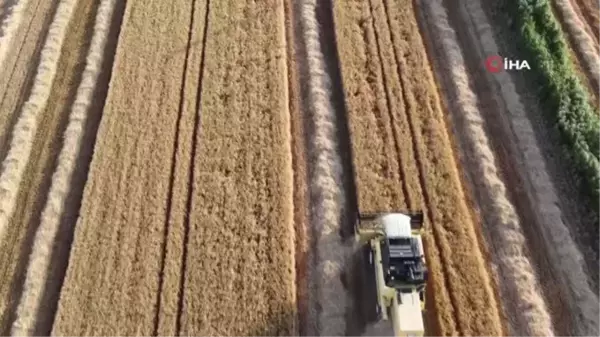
[31, 197]
[390, 92]
[589, 12]
[204, 64]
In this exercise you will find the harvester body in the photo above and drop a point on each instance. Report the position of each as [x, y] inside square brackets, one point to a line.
[397, 257]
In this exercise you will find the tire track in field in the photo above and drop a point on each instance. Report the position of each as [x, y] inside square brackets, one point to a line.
[163, 299]
[191, 170]
[409, 202]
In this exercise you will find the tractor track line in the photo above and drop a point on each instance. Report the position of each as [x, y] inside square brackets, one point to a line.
[332, 67]
[394, 130]
[171, 183]
[191, 175]
[167, 230]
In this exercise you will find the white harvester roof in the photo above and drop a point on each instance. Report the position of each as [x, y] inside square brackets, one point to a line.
[396, 225]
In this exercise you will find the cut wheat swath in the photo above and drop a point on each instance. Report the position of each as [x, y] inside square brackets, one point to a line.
[325, 183]
[24, 131]
[519, 286]
[8, 27]
[39, 260]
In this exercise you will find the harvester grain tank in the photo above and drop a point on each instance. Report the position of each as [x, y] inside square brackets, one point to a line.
[396, 254]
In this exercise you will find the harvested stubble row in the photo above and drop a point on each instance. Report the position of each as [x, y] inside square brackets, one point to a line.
[29, 188]
[169, 205]
[403, 157]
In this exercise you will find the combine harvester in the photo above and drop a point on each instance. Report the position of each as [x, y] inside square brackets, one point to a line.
[396, 255]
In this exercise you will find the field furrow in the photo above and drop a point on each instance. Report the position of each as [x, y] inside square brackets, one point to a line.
[327, 185]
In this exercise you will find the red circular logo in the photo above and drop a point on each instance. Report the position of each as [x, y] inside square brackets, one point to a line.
[494, 64]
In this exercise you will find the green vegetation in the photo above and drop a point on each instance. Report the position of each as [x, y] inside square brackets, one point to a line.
[566, 101]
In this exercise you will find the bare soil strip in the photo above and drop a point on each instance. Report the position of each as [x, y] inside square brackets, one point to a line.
[589, 12]
[46, 265]
[397, 100]
[112, 280]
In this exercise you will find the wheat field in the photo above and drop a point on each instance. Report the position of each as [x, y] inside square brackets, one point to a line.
[196, 167]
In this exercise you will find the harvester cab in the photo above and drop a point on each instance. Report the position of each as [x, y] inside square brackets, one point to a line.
[398, 260]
